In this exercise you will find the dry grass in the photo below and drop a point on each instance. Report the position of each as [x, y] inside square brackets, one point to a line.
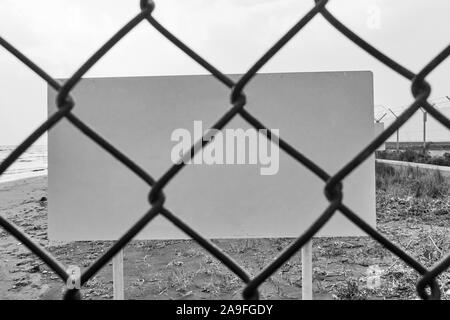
[411, 181]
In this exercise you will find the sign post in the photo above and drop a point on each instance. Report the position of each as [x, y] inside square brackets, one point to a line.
[217, 203]
[117, 266]
[307, 293]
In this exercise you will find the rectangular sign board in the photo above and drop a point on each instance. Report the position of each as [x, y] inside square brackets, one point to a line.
[327, 116]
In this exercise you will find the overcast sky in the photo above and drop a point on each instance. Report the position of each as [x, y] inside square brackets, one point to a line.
[231, 34]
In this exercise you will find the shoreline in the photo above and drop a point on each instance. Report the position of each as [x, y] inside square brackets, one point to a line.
[29, 175]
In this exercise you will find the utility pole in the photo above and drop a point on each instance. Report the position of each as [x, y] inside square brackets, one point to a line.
[425, 117]
[425, 125]
[398, 143]
[424, 131]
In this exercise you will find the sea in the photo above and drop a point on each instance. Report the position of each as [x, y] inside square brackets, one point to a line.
[31, 163]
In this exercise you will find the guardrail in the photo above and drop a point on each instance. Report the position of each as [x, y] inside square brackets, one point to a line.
[444, 170]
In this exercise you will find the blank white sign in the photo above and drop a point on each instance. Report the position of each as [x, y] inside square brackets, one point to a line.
[326, 116]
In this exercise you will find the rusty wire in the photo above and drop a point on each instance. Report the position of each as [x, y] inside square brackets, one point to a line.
[427, 286]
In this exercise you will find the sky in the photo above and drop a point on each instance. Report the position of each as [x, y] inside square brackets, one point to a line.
[231, 34]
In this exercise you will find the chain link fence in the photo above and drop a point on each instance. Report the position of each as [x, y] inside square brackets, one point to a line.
[427, 285]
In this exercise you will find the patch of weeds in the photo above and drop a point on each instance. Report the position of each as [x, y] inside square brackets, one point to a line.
[350, 290]
[411, 181]
[400, 281]
[333, 251]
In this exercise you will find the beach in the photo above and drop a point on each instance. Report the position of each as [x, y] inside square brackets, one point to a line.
[20, 203]
[181, 269]
[32, 163]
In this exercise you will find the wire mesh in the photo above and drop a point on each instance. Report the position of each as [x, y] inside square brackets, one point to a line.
[427, 285]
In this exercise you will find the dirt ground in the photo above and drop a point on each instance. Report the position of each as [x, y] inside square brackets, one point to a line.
[181, 269]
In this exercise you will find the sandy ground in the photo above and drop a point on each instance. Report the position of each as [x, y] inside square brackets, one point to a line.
[183, 270]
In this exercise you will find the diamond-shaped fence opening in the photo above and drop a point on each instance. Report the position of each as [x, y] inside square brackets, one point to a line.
[427, 286]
